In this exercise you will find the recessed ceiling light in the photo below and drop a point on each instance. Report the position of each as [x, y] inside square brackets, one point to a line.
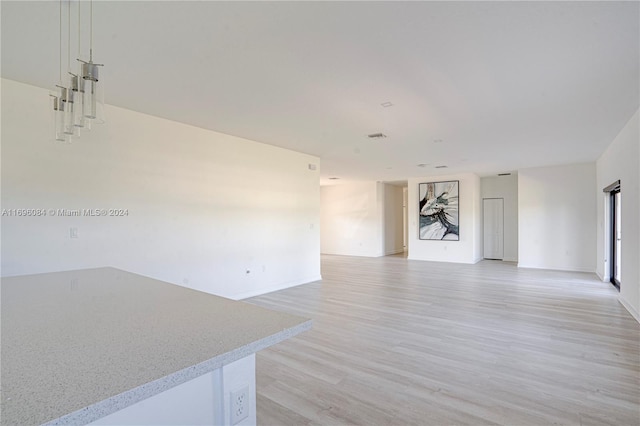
[386, 104]
[377, 135]
[334, 178]
[441, 167]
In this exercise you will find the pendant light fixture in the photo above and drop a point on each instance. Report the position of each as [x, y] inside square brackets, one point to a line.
[80, 102]
[68, 93]
[77, 86]
[93, 99]
[59, 104]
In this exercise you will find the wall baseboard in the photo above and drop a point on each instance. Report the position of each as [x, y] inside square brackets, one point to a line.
[276, 287]
[629, 308]
[381, 254]
[470, 262]
[394, 251]
[548, 268]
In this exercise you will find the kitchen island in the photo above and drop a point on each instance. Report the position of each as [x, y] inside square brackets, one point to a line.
[112, 347]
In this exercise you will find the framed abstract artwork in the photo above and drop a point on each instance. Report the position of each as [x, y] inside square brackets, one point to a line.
[439, 211]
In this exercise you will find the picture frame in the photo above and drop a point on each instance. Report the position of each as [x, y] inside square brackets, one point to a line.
[439, 211]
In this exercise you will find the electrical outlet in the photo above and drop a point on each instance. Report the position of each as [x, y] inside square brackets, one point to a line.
[239, 405]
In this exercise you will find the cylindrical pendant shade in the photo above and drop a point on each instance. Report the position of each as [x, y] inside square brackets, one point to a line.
[78, 101]
[67, 100]
[93, 98]
[90, 108]
[58, 119]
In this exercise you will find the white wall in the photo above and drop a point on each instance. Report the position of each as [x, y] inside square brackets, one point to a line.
[505, 187]
[469, 248]
[620, 161]
[352, 219]
[393, 220]
[557, 217]
[203, 207]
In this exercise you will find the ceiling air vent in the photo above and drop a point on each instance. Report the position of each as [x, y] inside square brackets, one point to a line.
[377, 136]
[504, 174]
[441, 167]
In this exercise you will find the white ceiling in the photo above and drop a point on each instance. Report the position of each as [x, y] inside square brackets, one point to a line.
[503, 85]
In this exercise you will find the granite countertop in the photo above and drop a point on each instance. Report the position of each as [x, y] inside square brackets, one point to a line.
[79, 345]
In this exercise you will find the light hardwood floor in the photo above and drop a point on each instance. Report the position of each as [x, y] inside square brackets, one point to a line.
[401, 342]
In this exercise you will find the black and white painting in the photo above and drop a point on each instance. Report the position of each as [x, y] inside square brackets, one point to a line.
[439, 211]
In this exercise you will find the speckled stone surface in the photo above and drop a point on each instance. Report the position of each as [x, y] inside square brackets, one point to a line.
[79, 345]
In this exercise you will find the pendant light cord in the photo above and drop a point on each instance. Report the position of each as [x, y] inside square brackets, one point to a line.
[60, 58]
[78, 28]
[91, 31]
[68, 35]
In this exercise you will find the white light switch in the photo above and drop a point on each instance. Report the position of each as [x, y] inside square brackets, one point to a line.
[73, 232]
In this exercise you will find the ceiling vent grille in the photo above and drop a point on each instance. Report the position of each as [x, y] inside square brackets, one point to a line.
[376, 136]
[504, 174]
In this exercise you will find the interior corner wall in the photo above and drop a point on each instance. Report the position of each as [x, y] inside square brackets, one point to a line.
[393, 220]
[621, 161]
[505, 187]
[557, 217]
[468, 248]
[205, 210]
[352, 219]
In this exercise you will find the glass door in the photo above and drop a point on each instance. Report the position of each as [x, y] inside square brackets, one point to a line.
[616, 237]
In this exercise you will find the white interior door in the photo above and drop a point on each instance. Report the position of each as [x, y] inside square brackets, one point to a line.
[493, 217]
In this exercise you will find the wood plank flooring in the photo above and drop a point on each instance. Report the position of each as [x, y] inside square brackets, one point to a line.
[401, 342]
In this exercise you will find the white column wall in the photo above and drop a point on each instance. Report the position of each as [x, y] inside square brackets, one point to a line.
[557, 217]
